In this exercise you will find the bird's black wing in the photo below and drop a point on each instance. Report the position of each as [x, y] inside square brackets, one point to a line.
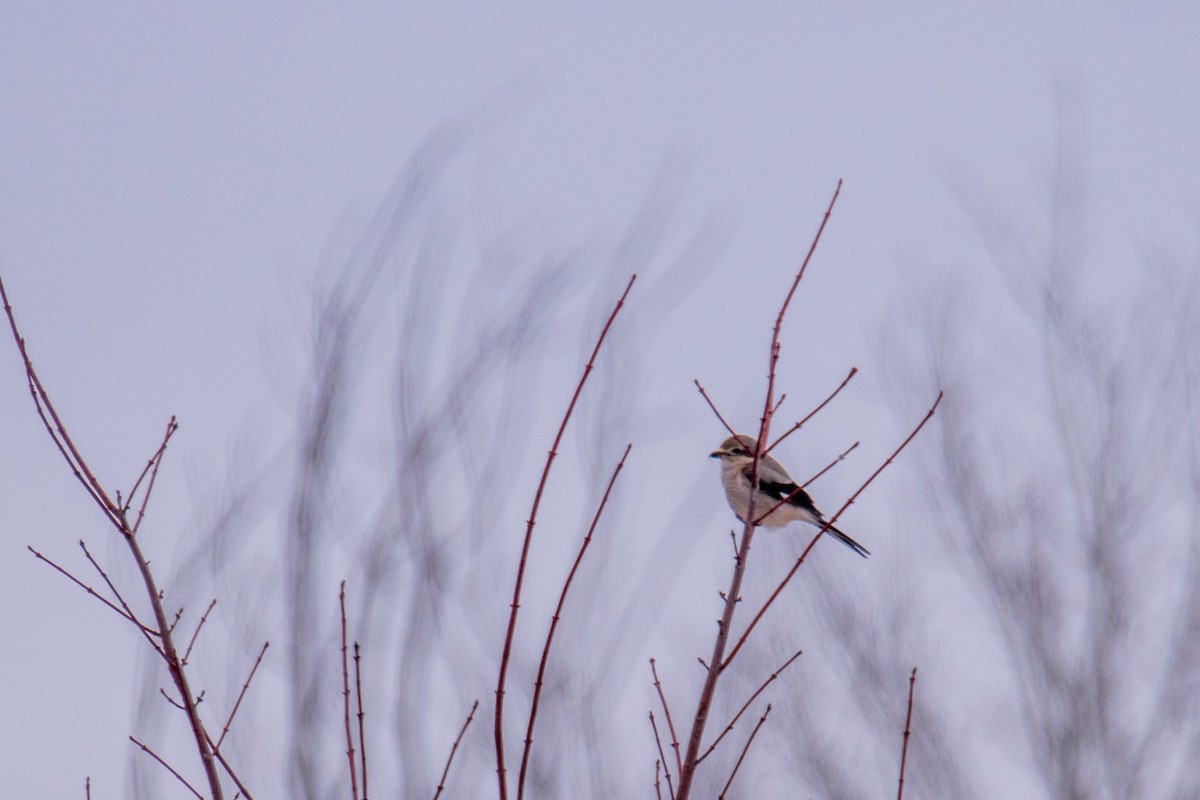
[800, 498]
[794, 494]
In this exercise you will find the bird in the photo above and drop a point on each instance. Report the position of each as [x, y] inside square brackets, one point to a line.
[774, 485]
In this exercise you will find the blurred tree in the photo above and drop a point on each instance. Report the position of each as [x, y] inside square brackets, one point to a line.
[1050, 556]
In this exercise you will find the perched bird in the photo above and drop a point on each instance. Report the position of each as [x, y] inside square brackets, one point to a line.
[774, 484]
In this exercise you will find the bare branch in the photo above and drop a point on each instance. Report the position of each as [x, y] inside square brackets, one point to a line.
[713, 406]
[745, 750]
[124, 614]
[362, 735]
[662, 757]
[813, 413]
[453, 749]
[155, 461]
[912, 682]
[242, 693]
[195, 633]
[662, 698]
[831, 465]
[167, 766]
[746, 705]
[520, 578]
[562, 599]
[346, 699]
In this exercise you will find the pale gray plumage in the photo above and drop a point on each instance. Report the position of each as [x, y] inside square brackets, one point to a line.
[774, 484]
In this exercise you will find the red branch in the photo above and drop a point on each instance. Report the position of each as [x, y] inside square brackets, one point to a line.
[662, 757]
[346, 698]
[55, 427]
[813, 413]
[745, 750]
[746, 705]
[195, 633]
[662, 698]
[166, 766]
[242, 790]
[454, 748]
[172, 426]
[242, 693]
[713, 406]
[831, 464]
[562, 599]
[124, 615]
[362, 735]
[506, 653]
[147, 633]
[657, 782]
[912, 682]
[742, 640]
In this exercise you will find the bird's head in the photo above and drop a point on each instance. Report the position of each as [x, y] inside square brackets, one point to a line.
[740, 446]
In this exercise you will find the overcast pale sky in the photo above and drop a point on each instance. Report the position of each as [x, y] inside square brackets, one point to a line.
[167, 167]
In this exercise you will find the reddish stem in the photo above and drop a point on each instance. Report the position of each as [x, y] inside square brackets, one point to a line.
[912, 683]
[745, 750]
[245, 686]
[562, 599]
[346, 699]
[746, 705]
[813, 413]
[453, 749]
[518, 583]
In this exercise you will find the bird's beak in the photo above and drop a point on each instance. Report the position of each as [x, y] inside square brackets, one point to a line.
[718, 453]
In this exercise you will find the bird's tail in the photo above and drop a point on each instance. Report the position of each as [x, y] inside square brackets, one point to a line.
[846, 540]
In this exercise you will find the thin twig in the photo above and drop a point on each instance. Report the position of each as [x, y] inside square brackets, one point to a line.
[346, 699]
[746, 705]
[156, 460]
[453, 749]
[54, 425]
[242, 693]
[147, 632]
[788, 497]
[912, 683]
[506, 653]
[813, 413]
[713, 406]
[745, 749]
[166, 766]
[86, 588]
[829, 523]
[362, 736]
[242, 790]
[662, 757]
[195, 633]
[170, 699]
[657, 781]
[662, 698]
[831, 465]
[87, 787]
[562, 599]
